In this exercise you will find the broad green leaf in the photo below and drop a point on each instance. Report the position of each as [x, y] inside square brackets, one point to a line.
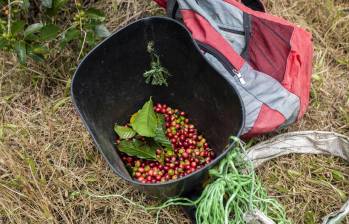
[21, 52]
[102, 31]
[33, 28]
[40, 50]
[124, 132]
[36, 57]
[37, 49]
[37, 52]
[145, 122]
[17, 26]
[71, 34]
[95, 14]
[137, 148]
[160, 136]
[46, 3]
[132, 119]
[58, 4]
[49, 32]
[90, 38]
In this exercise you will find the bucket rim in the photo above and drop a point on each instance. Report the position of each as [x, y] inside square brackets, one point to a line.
[131, 180]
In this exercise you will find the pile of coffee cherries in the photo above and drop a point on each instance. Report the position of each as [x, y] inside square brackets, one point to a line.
[191, 151]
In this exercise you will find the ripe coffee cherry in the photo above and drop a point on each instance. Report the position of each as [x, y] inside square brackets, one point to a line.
[138, 174]
[185, 155]
[190, 150]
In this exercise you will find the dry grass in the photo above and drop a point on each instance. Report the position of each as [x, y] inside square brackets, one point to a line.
[48, 163]
[310, 187]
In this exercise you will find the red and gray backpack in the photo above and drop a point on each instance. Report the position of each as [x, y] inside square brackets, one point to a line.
[266, 58]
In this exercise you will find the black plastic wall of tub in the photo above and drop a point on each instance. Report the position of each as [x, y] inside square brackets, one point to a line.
[108, 87]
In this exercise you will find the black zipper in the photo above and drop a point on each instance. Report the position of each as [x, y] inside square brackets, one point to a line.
[239, 32]
[222, 59]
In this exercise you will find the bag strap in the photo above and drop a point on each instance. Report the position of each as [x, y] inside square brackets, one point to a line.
[172, 8]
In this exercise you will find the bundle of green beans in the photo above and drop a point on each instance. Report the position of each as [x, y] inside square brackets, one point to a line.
[233, 191]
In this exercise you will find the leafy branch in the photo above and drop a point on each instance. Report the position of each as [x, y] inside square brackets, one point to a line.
[144, 124]
[157, 75]
[37, 36]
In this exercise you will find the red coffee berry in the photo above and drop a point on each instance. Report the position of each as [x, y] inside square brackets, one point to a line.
[185, 155]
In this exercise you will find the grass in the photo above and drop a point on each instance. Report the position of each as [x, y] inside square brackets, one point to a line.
[49, 166]
[310, 187]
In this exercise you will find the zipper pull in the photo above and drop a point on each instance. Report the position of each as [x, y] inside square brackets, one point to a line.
[241, 79]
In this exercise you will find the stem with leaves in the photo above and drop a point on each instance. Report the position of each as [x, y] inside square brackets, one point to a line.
[157, 74]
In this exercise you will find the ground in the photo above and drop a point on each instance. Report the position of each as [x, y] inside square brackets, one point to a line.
[50, 171]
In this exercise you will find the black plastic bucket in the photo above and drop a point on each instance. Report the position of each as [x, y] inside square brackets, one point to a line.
[108, 87]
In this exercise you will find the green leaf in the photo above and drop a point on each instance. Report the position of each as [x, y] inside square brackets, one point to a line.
[102, 31]
[21, 52]
[46, 3]
[124, 132]
[17, 26]
[58, 4]
[95, 14]
[90, 38]
[137, 148]
[33, 28]
[49, 32]
[40, 50]
[37, 52]
[160, 136]
[145, 122]
[36, 57]
[338, 175]
[71, 34]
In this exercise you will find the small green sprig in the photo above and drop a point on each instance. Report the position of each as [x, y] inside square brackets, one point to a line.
[157, 75]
